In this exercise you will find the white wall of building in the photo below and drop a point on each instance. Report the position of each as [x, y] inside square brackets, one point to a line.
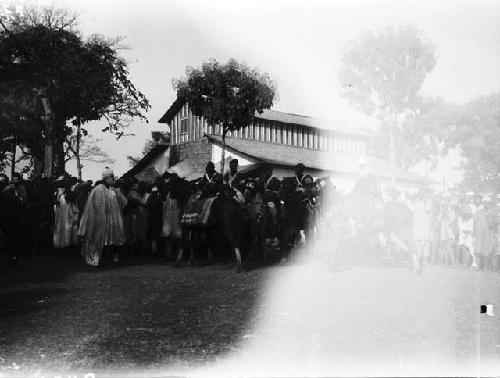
[217, 156]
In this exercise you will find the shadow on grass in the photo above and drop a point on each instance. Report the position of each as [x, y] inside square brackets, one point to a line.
[142, 312]
[192, 319]
[20, 303]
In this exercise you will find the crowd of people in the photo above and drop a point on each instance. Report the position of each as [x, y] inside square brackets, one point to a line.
[213, 216]
[458, 229]
[244, 217]
[451, 228]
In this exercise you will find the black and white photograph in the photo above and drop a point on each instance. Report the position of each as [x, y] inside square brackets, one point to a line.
[280, 188]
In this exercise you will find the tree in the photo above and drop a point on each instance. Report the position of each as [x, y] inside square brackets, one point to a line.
[421, 136]
[475, 130]
[84, 148]
[19, 128]
[83, 79]
[226, 94]
[382, 74]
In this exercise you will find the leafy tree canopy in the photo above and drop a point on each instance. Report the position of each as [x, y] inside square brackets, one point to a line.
[85, 79]
[476, 131]
[422, 135]
[226, 94]
[383, 71]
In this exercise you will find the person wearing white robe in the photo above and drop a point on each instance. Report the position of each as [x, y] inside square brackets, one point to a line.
[101, 224]
[65, 219]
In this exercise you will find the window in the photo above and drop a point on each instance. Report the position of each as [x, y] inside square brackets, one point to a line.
[184, 133]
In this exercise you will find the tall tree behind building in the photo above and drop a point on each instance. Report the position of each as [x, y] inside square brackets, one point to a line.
[475, 130]
[382, 73]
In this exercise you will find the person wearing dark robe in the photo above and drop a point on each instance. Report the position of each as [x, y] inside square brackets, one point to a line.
[211, 180]
[300, 188]
[141, 220]
[155, 215]
[132, 213]
[173, 196]
[268, 187]
[232, 177]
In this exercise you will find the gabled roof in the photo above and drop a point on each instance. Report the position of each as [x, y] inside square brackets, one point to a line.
[282, 117]
[279, 154]
[172, 111]
[148, 158]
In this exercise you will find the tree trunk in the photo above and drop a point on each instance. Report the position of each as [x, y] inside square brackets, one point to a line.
[58, 141]
[223, 158]
[78, 161]
[48, 168]
[37, 166]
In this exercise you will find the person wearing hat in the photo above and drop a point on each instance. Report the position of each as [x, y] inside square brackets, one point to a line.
[101, 226]
[233, 175]
[211, 176]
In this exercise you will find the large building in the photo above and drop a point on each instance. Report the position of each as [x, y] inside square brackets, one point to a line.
[277, 138]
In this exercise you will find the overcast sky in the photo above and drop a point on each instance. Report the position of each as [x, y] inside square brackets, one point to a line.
[299, 43]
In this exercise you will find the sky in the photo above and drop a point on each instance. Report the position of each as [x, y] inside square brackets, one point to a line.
[298, 43]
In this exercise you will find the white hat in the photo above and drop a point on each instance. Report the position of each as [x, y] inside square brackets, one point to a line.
[470, 194]
[108, 172]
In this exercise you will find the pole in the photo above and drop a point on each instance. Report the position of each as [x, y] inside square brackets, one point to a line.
[78, 161]
[48, 119]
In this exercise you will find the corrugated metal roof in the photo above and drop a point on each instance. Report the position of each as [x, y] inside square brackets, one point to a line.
[280, 154]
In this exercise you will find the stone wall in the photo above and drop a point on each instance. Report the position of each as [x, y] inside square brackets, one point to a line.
[198, 152]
